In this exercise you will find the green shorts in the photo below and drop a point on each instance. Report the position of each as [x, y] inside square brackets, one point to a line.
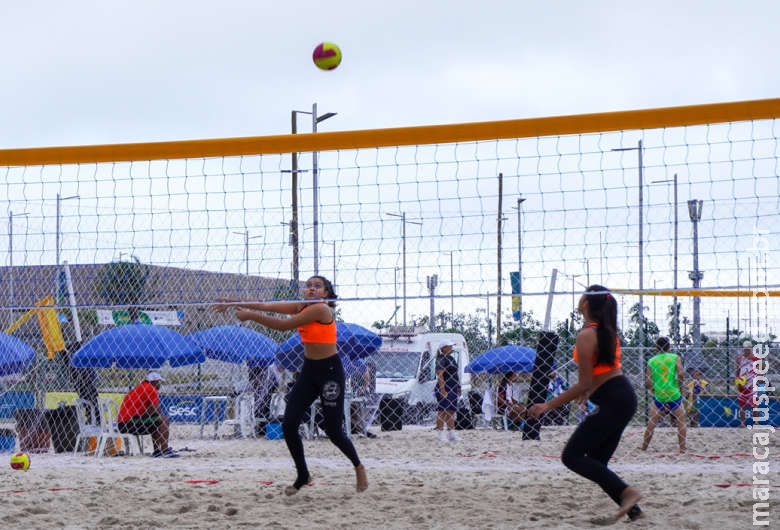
[140, 425]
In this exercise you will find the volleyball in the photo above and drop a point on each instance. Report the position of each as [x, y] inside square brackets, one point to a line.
[327, 56]
[20, 461]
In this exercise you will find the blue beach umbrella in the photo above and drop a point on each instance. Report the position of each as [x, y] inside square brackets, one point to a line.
[15, 355]
[236, 344]
[137, 346]
[352, 342]
[504, 359]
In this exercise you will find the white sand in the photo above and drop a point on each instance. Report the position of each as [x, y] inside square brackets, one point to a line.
[490, 479]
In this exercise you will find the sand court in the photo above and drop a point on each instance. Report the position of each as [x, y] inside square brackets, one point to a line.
[490, 479]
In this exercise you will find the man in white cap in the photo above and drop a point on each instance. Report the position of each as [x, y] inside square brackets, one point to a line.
[744, 381]
[142, 414]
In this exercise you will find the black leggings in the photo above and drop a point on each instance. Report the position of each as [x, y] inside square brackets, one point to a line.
[322, 379]
[594, 442]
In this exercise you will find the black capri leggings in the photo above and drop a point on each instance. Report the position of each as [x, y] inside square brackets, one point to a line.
[322, 379]
[594, 442]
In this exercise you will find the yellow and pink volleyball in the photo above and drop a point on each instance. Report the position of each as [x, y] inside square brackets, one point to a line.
[327, 56]
[20, 461]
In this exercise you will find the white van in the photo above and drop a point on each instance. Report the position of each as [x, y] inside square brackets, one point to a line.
[406, 369]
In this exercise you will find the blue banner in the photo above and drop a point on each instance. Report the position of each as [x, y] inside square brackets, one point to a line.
[188, 409]
[724, 412]
[13, 401]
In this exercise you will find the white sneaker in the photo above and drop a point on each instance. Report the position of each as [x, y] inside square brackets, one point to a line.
[452, 436]
[442, 436]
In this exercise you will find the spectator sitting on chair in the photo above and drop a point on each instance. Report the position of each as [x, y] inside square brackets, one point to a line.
[508, 399]
[141, 414]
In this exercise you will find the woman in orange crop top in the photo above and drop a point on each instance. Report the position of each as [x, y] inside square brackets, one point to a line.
[322, 375]
[601, 380]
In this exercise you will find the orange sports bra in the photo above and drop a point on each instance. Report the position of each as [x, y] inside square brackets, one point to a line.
[317, 332]
[599, 369]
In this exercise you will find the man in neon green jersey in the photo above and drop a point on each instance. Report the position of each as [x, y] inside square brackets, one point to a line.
[665, 379]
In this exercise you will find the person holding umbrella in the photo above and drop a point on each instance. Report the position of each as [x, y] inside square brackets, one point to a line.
[322, 375]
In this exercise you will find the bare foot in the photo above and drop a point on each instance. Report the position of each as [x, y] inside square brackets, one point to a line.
[362, 479]
[628, 499]
[295, 488]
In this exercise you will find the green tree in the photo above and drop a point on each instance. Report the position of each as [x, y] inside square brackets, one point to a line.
[674, 322]
[636, 323]
[124, 283]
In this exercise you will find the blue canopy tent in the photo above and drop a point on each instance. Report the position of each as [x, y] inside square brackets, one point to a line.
[353, 342]
[137, 346]
[236, 344]
[15, 355]
[504, 359]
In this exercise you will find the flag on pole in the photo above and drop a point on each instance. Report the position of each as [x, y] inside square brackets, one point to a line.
[50, 327]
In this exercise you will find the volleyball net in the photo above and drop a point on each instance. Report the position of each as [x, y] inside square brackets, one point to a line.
[455, 229]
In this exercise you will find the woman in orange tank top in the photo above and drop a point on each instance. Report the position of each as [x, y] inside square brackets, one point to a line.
[322, 375]
[600, 379]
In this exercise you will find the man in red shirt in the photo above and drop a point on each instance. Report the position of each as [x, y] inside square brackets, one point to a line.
[141, 414]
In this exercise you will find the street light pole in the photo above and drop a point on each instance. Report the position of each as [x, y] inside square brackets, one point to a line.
[59, 216]
[294, 216]
[674, 301]
[315, 119]
[694, 211]
[520, 201]
[245, 233]
[395, 294]
[641, 242]
[402, 216]
[11, 260]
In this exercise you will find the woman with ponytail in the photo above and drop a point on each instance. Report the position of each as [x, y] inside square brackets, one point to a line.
[601, 380]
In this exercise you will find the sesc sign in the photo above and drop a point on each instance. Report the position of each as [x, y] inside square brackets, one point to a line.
[187, 409]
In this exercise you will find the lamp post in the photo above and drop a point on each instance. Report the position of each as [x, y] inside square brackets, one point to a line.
[333, 280]
[638, 148]
[57, 240]
[395, 294]
[694, 211]
[402, 216]
[294, 240]
[315, 119]
[11, 292]
[674, 301]
[519, 207]
[245, 233]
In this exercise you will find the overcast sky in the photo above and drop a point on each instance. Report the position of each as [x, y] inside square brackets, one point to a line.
[81, 72]
[112, 72]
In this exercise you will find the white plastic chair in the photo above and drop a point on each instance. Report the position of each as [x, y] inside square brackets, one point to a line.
[244, 415]
[109, 431]
[89, 423]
